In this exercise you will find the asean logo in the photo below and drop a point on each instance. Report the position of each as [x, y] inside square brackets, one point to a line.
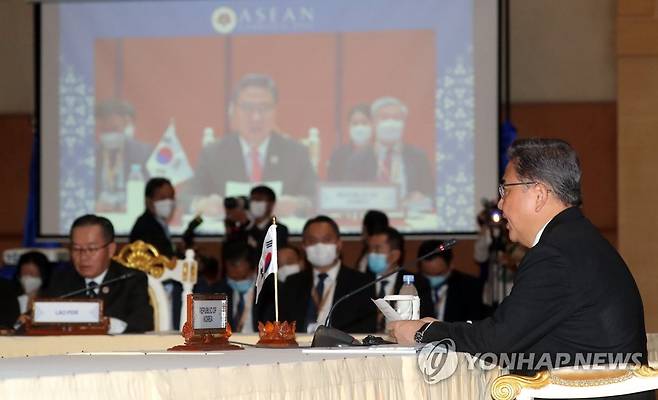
[224, 20]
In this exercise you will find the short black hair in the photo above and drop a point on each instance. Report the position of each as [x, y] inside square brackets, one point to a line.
[154, 184]
[265, 191]
[40, 260]
[255, 80]
[325, 219]
[430, 245]
[108, 108]
[375, 221]
[90, 220]
[394, 239]
[362, 108]
[550, 161]
[238, 250]
[293, 248]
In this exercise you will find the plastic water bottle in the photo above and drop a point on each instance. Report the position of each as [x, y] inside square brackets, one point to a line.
[208, 136]
[406, 308]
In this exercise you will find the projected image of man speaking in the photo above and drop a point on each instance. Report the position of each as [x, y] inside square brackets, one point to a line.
[254, 151]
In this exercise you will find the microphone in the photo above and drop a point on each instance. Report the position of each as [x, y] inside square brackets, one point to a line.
[125, 276]
[326, 336]
[188, 235]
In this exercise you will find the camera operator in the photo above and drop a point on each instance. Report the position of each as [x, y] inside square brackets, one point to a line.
[249, 219]
[497, 257]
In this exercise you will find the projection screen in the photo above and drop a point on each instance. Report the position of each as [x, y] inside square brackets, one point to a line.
[339, 106]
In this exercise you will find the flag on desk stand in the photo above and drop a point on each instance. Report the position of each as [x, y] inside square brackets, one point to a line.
[268, 265]
[168, 158]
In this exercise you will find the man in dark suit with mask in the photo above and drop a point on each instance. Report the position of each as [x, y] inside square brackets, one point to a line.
[573, 296]
[308, 295]
[126, 302]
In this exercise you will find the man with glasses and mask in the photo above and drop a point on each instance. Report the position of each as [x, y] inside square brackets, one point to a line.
[573, 296]
[126, 302]
[308, 295]
[254, 151]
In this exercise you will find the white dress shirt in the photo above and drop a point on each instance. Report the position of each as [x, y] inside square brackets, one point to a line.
[327, 299]
[116, 325]
[246, 154]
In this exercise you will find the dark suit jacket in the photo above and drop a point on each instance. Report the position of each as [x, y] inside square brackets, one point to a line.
[572, 294]
[356, 314]
[148, 229]
[422, 287]
[127, 300]
[464, 298]
[261, 311]
[9, 309]
[286, 161]
[362, 167]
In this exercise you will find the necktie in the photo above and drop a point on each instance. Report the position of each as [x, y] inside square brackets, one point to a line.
[385, 172]
[312, 310]
[381, 321]
[239, 312]
[382, 289]
[91, 293]
[256, 168]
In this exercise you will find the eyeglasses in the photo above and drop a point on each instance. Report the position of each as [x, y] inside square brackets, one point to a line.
[87, 251]
[503, 186]
[261, 108]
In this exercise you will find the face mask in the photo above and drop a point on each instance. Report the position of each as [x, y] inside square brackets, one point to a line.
[258, 208]
[241, 286]
[321, 254]
[360, 134]
[112, 140]
[436, 280]
[377, 263]
[389, 131]
[164, 208]
[129, 131]
[30, 283]
[287, 270]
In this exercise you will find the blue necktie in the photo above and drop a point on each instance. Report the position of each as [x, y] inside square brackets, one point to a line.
[91, 292]
[312, 311]
[238, 314]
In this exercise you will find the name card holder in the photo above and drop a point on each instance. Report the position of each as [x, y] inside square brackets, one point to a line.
[206, 328]
[66, 317]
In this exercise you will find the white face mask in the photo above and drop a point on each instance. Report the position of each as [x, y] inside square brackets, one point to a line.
[360, 134]
[129, 131]
[285, 271]
[389, 131]
[321, 254]
[164, 208]
[112, 140]
[258, 208]
[30, 283]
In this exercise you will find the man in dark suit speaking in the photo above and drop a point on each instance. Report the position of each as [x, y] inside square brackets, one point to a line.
[574, 298]
[254, 152]
[126, 302]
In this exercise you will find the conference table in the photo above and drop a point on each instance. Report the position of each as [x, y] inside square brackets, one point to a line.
[139, 367]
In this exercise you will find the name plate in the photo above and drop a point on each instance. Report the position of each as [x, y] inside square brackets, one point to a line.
[357, 197]
[207, 313]
[67, 312]
[210, 314]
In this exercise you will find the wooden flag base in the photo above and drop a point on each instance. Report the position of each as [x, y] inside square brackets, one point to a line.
[205, 341]
[277, 334]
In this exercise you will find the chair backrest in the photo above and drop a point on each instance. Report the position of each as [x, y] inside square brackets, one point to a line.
[575, 382]
[158, 268]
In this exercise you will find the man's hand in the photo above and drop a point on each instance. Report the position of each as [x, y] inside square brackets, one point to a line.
[404, 331]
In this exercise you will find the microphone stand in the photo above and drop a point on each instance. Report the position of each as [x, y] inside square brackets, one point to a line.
[326, 336]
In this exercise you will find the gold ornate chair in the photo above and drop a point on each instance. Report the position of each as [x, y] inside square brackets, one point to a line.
[145, 257]
[574, 382]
